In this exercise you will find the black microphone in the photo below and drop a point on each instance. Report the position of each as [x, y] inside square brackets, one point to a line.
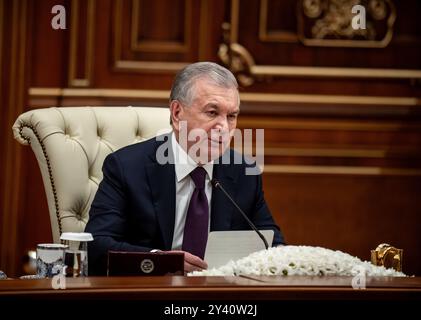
[219, 186]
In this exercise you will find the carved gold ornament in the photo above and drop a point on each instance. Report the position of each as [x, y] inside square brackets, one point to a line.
[387, 256]
[236, 58]
[329, 23]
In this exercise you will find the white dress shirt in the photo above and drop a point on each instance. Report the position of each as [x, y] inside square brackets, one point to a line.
[184, 187]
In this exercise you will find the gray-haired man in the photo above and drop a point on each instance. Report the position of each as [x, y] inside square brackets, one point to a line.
[144, 204]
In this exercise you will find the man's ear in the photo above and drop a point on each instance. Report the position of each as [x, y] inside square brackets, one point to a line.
[175, 111]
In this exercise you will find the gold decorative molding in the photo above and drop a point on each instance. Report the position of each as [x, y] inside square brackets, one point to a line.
[326, 152]
[160, 46]
[245, 97]
[339, 170]
[328, 72]
[328, 99]
[344, 125]
[107, 93]
[345, 151]
[149, 66]
[278, 154]
[47, 96]
[85, 81]
[329, 23]
[239, 60]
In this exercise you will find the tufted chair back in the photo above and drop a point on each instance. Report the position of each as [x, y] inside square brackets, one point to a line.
[70, 145]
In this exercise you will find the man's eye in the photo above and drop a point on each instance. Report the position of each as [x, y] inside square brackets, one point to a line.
[211, 113]
[232, 116]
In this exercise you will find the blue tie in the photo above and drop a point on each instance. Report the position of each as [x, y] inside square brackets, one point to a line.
[197, 219]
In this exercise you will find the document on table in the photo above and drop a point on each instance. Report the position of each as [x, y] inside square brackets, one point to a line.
[224, 246]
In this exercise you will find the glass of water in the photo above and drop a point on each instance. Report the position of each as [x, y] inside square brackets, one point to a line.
[76, 255]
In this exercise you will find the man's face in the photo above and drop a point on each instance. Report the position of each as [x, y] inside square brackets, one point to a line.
[210, 119]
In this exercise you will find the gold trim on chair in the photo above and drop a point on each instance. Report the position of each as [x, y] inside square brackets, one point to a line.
[50, 172]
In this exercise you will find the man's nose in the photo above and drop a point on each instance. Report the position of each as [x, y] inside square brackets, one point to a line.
[222, 124]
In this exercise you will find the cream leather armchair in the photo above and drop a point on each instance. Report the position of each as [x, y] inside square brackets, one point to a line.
[70, 145]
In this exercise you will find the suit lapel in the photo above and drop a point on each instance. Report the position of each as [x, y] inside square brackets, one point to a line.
[162, 183]
[222, 209]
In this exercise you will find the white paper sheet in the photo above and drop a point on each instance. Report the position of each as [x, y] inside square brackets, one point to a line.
[224, 246]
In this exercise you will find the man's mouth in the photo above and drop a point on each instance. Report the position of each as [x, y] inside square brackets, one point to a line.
[217, 141]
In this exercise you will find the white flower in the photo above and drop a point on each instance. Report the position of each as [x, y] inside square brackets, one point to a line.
[299, 260]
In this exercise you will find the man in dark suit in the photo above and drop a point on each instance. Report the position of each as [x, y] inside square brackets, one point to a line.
[157, 195]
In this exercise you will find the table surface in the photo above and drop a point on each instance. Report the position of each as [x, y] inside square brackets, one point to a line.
[220, 288]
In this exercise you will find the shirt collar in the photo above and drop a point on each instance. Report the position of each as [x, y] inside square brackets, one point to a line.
[183, 163]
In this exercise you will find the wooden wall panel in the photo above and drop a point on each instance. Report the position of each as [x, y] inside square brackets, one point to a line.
[348, 212]
[82, 22]
[278, 41]
[342, 124]
[281, 54]
[49, 47]
[175, 36]
[170, 39]
[372, 143]
[117, 65]
[14, 41]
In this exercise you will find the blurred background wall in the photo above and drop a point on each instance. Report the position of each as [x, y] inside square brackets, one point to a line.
[340, 107]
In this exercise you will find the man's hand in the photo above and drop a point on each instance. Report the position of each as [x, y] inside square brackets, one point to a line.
[192, 262]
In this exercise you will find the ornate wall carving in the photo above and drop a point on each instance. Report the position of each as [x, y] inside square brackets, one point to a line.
[329, 23]
[324, 23]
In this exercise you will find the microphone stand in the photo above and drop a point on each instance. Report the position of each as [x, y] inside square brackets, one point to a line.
[218, 185]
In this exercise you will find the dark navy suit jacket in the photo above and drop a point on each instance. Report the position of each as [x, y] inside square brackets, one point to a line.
[134, 207]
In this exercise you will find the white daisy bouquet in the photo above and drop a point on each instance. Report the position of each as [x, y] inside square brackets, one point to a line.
[299, 260]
